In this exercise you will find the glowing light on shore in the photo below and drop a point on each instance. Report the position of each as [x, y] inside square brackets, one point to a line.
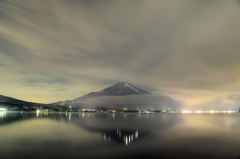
[3, 109]
[230, 111]
[147, 111]
[207, 111]
[2, 114]
[199, 111]
[113, 111]
[187, 111]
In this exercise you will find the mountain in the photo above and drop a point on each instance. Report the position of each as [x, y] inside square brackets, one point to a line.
[13, 101]
[121, 95]
[122, 89]
[118, 89]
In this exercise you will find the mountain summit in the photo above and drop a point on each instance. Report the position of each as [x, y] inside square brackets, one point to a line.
[122, 89]
[118, 89]
[121, 95]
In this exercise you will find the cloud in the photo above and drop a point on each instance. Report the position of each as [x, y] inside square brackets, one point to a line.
[183, 48]
[44, 81]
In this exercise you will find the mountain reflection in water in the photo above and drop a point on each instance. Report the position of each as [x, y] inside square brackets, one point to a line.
[117, 135]
[120, 135]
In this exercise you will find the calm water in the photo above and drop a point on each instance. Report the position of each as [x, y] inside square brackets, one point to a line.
[129, 135]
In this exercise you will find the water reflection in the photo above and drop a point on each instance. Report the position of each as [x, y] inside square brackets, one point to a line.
[37, 113]
[118, 135]
[90, 121]
[123, 136]
[3, 114]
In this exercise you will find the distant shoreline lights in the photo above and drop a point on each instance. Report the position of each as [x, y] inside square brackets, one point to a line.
[207, 111]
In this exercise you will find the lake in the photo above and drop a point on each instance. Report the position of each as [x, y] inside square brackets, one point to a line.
[34, 135]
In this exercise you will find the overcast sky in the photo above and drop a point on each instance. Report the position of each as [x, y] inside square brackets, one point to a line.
[54, 50]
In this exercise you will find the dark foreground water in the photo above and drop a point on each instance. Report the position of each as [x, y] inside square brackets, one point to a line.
[98, 135]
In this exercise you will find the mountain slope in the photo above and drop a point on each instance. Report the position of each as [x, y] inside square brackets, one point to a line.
[122, 89]
[118, 89]
[13, 101]
[122, 95]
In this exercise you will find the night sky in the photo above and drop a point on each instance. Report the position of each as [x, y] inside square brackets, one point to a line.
[53, 50]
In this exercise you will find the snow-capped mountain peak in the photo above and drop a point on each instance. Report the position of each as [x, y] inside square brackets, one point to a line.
[118, 89]
[128, 85]
[123, 88]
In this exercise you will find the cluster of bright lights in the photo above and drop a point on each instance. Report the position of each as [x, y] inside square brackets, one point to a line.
[207, 111]
[187, 111]
[3, 109]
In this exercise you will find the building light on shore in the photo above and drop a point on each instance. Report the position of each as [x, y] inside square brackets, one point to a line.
[212, 111]
[230, 111]
[199, 111]
[113, 111]
[147, 111]
[207, 111]
[187, 111]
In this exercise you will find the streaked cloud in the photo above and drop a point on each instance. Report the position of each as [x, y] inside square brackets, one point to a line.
[188, 49]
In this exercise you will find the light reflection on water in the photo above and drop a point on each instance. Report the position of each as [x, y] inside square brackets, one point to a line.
[2, 114]
[118, 135]
[122, 136]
